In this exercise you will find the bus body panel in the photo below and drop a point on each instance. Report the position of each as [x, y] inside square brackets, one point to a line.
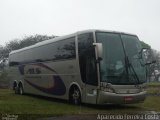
[54, 78]
[65, 71]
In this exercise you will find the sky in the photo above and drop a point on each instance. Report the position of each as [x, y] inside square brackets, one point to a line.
[19, 18]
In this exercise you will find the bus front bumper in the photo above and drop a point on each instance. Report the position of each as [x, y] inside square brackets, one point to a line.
[114, 98]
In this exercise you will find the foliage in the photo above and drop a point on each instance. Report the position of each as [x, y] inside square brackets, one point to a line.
[154, 69]
[18, 44]
[3, 75]
[145, 45]
[26, 41]
[4, 79]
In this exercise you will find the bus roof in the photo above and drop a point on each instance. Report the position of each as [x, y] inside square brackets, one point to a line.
[64, 37]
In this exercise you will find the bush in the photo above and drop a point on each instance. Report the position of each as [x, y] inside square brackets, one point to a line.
[4, 79]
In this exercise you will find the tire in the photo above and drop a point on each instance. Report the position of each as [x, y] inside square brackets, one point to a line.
[16, 90]
[75, 96]
[21, 91]
[14, 85]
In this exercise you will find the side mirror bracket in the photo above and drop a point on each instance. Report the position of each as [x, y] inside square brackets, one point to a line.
[99, 49]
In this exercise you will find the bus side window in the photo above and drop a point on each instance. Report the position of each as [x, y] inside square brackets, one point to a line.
[87, 63]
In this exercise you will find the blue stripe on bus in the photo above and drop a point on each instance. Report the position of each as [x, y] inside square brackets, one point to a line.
[58, 88]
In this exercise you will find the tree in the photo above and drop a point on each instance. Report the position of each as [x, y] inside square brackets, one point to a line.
[153, 70]
[145, 45]
[20, 43]
[156, 66]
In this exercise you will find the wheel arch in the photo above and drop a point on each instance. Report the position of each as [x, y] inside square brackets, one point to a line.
[72, 85]
[14, 84]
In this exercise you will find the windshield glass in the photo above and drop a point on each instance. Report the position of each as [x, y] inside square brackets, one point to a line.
[113, 66]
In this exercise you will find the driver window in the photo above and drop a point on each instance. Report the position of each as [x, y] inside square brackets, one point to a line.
[87, 58]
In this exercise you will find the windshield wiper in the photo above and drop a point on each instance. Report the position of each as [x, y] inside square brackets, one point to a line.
[128, 65]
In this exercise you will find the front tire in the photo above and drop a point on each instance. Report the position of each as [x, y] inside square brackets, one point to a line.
[75, 96]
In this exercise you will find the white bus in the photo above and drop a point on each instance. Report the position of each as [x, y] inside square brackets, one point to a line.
[92, 66]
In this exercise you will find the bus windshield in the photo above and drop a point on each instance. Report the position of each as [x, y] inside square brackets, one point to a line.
[113, 65]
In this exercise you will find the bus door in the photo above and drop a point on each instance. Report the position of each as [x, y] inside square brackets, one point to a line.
[87, 63]
[91, 80]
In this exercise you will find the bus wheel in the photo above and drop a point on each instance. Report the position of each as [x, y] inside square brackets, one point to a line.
[75, 95]
[14, 85]
[21, 91]
[16, 90]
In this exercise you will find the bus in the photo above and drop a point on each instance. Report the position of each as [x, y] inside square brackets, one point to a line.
[91, 66]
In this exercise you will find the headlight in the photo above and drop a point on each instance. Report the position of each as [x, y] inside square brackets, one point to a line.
[107, 89]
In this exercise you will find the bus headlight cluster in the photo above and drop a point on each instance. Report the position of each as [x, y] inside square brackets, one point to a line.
[106, 89]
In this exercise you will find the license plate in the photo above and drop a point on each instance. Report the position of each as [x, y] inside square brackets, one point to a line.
[128, 98]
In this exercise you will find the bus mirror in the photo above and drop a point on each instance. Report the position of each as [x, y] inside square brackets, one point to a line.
[148, 56]
[99, 49]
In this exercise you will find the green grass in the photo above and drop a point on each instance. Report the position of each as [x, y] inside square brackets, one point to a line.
[153, 83]
[152, 103]
[11, 103]
[153, 90]
[153, 87]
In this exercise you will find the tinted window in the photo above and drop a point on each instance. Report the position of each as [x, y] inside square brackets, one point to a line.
[64, 49]
[85, 41]
[87, 58]
[112, 67]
